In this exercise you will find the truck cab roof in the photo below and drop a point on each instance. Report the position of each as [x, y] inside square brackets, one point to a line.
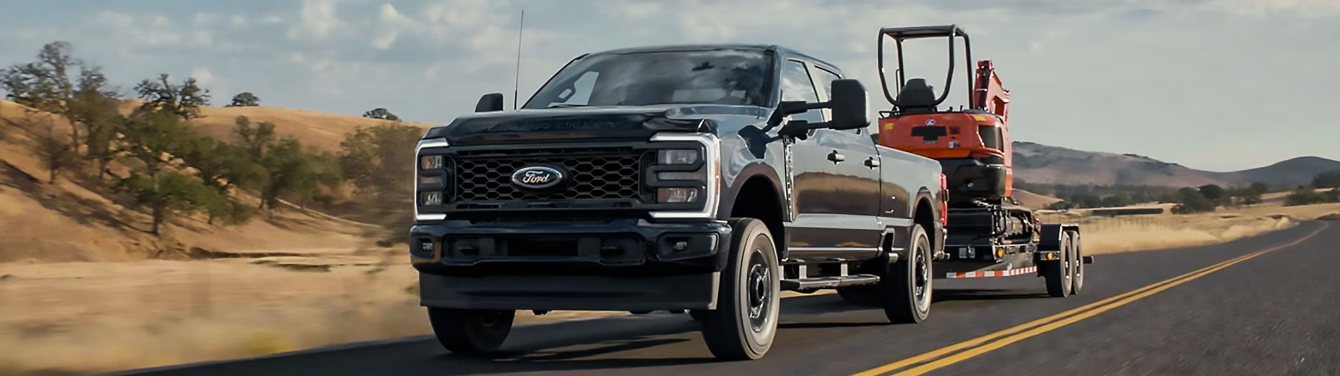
[781, 50]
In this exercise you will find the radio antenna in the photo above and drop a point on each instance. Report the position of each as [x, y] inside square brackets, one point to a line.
[516, 81]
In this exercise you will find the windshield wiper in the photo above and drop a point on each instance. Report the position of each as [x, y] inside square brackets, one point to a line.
[565, 105]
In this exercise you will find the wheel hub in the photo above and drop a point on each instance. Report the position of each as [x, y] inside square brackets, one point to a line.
[923, 276]
[759, 290]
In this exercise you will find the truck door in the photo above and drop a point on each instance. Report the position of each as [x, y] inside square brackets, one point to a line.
[836, 177]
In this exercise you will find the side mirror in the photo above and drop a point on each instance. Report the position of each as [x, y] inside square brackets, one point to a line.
[850, 105]
[491, 102]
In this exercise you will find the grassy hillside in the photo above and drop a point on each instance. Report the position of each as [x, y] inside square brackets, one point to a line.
[1039, 163]
[74, 220]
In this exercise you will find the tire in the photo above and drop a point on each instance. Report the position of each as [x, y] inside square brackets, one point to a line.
[906, 287]
[1077, 260]
[1058, 273]
[745, 322]
[696, 315]
[470, 331]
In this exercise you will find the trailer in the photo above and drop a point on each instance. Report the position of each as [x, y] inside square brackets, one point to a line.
[988, 233]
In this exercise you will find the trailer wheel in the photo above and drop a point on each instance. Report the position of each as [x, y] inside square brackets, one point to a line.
[1077, 262]
[1058, 273]
[470, 331]
[905, 288]
[745, 321]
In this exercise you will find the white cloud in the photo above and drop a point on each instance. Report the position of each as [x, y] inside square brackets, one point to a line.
[202, 76]
[1160, 71]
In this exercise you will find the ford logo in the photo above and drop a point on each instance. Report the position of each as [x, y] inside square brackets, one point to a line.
[537, 177]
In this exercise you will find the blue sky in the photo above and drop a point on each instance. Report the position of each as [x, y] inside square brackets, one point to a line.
[1218, 85]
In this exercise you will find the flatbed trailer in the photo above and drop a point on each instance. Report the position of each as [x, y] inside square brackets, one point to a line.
[987, 233]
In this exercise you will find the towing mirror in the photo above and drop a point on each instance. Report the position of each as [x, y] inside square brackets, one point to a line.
[850, 105]
[491, 102]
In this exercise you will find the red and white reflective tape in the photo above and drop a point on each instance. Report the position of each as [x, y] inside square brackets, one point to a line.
[996, 273]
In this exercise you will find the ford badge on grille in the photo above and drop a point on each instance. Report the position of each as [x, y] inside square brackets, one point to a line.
[537, 177]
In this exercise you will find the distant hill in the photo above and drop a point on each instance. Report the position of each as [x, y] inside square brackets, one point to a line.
[1037, 163]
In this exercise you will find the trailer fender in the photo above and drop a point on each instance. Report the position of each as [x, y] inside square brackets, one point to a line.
[1049, 247]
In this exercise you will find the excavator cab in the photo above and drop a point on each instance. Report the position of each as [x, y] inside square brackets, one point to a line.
[973, 142]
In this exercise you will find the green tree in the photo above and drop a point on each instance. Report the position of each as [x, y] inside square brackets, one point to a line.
[1329, 179]
[95, 108]
[221, 166]
[295, 172]
[380, 113]
[1191, 200]
[49, 84]
[150, 139]
[379, 162]
[182, 100]
[245, 99]
[1304, 195]
[55, 152]
[256, 139]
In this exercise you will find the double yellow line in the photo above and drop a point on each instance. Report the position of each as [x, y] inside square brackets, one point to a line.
[937, 359]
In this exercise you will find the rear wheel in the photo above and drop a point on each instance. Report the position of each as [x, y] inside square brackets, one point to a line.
[745, 321]
[470, 331]
[1059, 273]
[1077, 262]
[905, 288]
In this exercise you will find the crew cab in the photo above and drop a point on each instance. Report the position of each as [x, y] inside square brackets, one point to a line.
[698, 178]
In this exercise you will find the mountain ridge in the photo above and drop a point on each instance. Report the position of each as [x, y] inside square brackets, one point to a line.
[1039, 163]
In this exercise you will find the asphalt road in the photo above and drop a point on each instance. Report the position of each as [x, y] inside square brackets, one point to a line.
[1277, 313]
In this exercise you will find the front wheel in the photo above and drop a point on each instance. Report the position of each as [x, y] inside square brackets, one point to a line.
[470, 331]
[745, 321]
[905, 288]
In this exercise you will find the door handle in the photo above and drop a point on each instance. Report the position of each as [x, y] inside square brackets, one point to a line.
[835, 157]
[872, 162]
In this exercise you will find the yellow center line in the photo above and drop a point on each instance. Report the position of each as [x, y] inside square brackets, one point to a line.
[1052, 322]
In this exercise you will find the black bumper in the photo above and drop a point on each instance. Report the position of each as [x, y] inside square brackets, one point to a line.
[620, 265]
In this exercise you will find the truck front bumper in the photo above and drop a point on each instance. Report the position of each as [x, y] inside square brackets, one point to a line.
[620, 265]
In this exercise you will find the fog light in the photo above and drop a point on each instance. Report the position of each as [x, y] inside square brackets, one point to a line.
[432, 198]
[681, 245]
[677, 195]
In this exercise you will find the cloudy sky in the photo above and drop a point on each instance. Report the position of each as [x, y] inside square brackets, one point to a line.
[1212, 84]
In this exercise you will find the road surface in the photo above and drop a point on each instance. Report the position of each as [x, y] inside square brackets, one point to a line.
[1271, 313]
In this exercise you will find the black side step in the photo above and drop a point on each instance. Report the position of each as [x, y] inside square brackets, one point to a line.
[1088, 260]
[828, 282]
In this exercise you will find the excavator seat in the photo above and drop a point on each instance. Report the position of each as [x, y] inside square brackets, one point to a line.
[916, 98]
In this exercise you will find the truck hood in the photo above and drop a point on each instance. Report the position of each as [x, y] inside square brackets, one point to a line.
[604, 123]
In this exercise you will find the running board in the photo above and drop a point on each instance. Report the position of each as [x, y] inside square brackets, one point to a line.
[820, 283]
[1088, 260]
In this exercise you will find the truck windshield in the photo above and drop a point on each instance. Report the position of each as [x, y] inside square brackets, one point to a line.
[730, 77]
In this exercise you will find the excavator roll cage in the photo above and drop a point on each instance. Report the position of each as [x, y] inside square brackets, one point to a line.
[985, 92]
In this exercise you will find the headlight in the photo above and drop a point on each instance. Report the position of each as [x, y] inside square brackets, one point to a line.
[678, 156]
[430, 162]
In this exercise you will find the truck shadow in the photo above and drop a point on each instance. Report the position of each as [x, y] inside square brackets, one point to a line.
[605, 345]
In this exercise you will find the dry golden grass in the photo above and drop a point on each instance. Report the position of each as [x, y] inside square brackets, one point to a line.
[1151, 232]
[310, 285]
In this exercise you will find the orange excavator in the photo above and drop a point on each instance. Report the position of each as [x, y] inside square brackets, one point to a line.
[988, 233]
[973, 142]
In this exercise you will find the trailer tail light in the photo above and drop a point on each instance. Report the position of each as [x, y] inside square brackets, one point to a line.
[944, 200]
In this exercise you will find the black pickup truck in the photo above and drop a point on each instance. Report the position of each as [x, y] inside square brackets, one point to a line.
[703, 178]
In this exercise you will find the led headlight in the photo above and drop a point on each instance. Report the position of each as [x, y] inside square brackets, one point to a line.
[677, 156]
[430, 162]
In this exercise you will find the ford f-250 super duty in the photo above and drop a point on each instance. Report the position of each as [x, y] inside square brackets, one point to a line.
[703, 178]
